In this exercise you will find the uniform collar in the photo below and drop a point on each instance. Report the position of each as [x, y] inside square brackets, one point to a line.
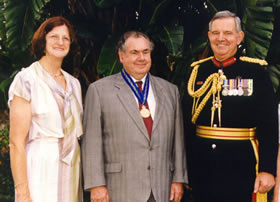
[225, 63]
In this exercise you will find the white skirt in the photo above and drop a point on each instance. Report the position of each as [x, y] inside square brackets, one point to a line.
[50, 179]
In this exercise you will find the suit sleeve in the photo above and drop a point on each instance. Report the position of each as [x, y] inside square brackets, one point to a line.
[92, 149]
[267, 124]
[189, 133]
[180, 171]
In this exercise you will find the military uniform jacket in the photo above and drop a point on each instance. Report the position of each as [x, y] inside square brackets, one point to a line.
[232, 162]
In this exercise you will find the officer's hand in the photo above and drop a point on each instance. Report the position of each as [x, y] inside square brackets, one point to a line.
[176, 192]
[276, 190]
[99, 194]
[264, 182]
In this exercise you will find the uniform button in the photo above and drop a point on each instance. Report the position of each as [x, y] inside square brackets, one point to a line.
[151, 148]
[149, 167]
[214, 146]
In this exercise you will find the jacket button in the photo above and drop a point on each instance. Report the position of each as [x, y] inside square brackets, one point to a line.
[149, 167]
[214, 146]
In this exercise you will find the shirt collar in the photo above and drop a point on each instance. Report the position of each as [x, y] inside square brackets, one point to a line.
[143, 79]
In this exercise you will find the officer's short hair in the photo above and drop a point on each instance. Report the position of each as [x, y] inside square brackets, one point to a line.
[225, 14]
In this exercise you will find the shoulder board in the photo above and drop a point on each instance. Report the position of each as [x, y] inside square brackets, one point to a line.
[201, 61]
[253, 60]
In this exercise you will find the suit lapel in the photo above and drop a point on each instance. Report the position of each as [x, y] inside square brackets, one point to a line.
[159, 98]
[128, 101]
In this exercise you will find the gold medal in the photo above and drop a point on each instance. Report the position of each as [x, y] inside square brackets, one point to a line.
[145, 113]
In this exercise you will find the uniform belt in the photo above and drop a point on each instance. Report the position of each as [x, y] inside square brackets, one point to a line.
[226, 133]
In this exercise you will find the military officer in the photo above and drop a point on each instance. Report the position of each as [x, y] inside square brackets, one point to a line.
[230, 118]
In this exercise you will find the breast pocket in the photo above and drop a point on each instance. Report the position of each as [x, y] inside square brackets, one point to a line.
[113, 168]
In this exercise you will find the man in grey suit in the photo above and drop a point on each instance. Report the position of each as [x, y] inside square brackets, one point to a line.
[133, 147]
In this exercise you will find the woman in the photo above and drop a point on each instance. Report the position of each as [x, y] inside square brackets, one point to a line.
[45, 121]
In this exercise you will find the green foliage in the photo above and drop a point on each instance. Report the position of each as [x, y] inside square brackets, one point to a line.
[258, 27]
[172, 38]
[18, 19]
[106, 3]
[159, 11]
[4, 85]
[108, 60]
[107, 63]
[178, 29]
[6, 181]
[19, 31]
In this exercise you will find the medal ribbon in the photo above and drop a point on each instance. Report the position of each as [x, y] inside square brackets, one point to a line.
[142, 97]
[231, 84]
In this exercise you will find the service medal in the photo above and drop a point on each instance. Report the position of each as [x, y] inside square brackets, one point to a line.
[225, 92]
[240, 85]
[246, 93]
[225, 88]
[234, 92]
[250, 87]
[240, 91]
[230, 91]
[245, 87]
[145, 113]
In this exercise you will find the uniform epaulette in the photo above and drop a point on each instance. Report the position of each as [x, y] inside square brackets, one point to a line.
[253, 60]
[200, 61]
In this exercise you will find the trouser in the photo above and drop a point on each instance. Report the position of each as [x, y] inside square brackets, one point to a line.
[207, 197]
[222, 171]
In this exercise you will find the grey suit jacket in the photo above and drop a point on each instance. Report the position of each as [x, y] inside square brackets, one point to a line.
[116, 149]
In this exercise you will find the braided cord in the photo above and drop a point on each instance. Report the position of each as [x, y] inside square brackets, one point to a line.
[214, 81]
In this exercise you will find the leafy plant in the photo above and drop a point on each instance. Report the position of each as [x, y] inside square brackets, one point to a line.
[6, 181]
[177, 27]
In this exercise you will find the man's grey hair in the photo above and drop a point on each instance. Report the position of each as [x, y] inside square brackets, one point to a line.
[136, 34]
[226, 14]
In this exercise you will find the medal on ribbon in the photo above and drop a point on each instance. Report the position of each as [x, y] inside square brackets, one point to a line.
[240, 86]
[234, 91]
[250, 87]
[225, 88]
[142, 97]
[230, 91]
[245, 87]
[145, 113]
